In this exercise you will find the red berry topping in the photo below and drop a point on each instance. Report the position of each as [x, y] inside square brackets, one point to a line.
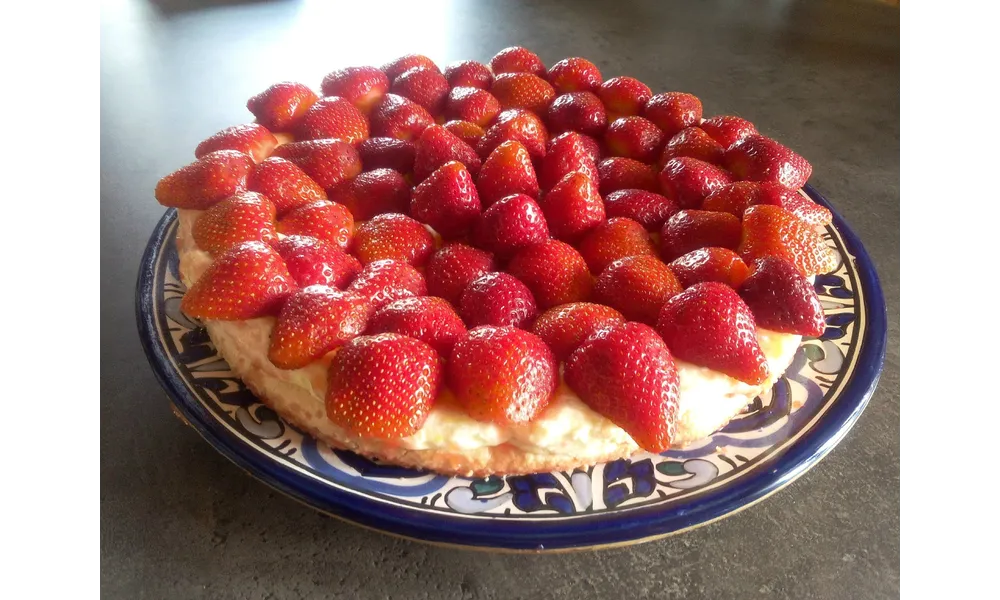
[207, 181]
[402, 64]
[507, 170]
[624, 96]
[285, 184]
[513, 223]
[281, 106]
[245, 217]
[578, 111]
[387, 153]
[516, 59]
[398, 117]
[565, 327]
[593, 148]
[520, 126]
[727, 129]
[567, 153]
[332, 117]
[575, 75]
[758, 158]
[554, 272]
[384, 281]
[648, 208]
[782, 299]
[613, 239]
[314, 321]
[426, 318]
[634, 137]
[470, 133]
[426, 87]
[689, 180]
[473, 105]
[620, 173]
[710, 264]
[361, 86]
[497, 299]
[735, 198]
[673, 111]
[373, 193]
[523, 90]
[773, 231]
[438, 146]
[453, 267]
[469, 73]
[573, 207]
[247, 281]
[327, 162]
[693, 229]
[393, 236]
[322, 220]
[695, 143]
[637, 287]
[314, 262]
[447, 200]
[252, 139]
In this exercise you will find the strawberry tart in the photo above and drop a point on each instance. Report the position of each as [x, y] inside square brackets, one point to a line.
[498, 268]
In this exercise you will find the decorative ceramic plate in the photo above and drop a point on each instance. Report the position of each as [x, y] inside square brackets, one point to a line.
[780, 435]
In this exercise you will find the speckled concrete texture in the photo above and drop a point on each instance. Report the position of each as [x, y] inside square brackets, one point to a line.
[179, 521]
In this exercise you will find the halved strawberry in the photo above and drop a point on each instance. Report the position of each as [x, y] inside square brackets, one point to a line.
[383, 386]
[577, 111]
[469, 73]
[312, 261]
[523, 90]
[426, 318]
[759, 158]
[673, 111]
[385, 281]
[634, 137]
[447, 200]
[206, 181]
[327, 162]
[620, 173]
[453, 267]
[507, 170]
[247, 281]
[361, 86]
[281, 106]
[710, 264]
[245, 217]
[648, 208]
[374, 193]
[502, 375]
[473, 105]
[516, 59]
[627, 374]
[393, 236]
[406, 62]
[322, 220]
[252, 139]
[735, 198]
[512, 223]
[314, 321]
[689, 180]
[728, 129]
[437, 146]
[637, 287]
[387, 153]
[574, 75]
[782, 299]
[567, 153]
[573, 207]
[693, 229]
[709, 325]
[565, 327]
[521, 126]
[285, 184]
[624, 96]
[426, 87]
[695, 143]
[398, 117]
[613, 239]
[773, 231]
[332, 117]
[554, 272]
[470, 133]
[497, 299]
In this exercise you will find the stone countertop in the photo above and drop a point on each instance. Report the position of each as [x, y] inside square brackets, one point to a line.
[179, 521]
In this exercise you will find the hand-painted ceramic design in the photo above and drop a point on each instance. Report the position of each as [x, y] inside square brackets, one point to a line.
[780, 435]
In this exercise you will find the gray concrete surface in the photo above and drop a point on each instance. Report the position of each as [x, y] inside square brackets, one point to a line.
[179, 521]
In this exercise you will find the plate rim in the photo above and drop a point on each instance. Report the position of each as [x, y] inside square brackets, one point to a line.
[605, 530]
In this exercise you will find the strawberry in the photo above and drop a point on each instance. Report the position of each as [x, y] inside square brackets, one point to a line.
[470, 133]
[634, 137]
[327, 162]
[574, 75]
[361, 86]
[773, 231]
[735, 198]
[782, 299]
[623, 96]
[502, 375]
[426, 318]
[695, 143]
[497, 299]
[426, 87]
[728, 129]
[520, 126]
[322, 220]
[252, 139]
[453, 267]
[673, 111]
[382, 386]
[565, 155]
[637, 286]
[648, 208]
[689, 180]
[281, 106]
[374, 193]
[577, 111]
[589, 143]
[447, 200]
[332, 117]
[312, 261]
[473, 105]
[469, 73]
[512, 223]
[620, 173]
[207, 181]
[285, 184]
[523, 90]
[613, 239]
[710, 264]
[314, 321]
[516, 59]
[437, 146]
[507, 170]
[554, 272]
[627, 374]
[384, 281]
[387, 153]
[247, 281]
[565, 327]
[709, 325]
[404, 63]
[398, 117]
[689, 230]
[245, 217]
[759, 158]
[393, 236]
[573, 207]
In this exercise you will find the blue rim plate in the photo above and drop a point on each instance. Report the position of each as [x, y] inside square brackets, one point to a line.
[781, 434]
